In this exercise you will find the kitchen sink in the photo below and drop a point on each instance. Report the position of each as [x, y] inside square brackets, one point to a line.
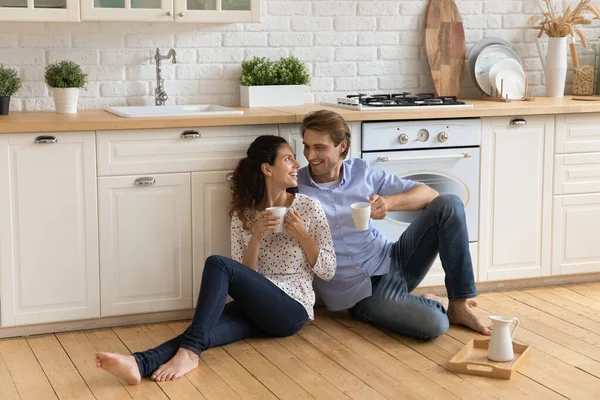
[172, 111]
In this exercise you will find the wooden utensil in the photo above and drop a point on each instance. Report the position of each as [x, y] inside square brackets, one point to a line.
[573, 48]
[446, 48]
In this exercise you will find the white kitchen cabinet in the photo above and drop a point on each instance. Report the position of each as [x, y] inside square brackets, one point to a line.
[211, 196]
[145, 243]
[291, 133]
[39, 10]
[211, 11]
[48, 228]
[516, 197]
[575, 243]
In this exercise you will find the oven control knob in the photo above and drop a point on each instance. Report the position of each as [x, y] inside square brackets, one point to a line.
[403, 138]
[443, 136]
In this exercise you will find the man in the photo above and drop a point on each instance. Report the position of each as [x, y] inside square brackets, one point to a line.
[374, 276]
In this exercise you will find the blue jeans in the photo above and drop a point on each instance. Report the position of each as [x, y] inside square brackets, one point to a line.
[440, 227]
[259, 308]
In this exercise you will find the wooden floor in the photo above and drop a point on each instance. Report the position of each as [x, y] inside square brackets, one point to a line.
[331, 358]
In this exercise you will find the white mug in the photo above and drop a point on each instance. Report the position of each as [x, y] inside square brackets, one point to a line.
[279, 212]
[361, 214]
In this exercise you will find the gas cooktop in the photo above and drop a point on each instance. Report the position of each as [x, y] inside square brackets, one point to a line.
[363, 102]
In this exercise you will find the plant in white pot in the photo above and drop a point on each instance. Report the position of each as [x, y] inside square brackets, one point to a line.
[266, 83]
[10, 83]
[65, 78]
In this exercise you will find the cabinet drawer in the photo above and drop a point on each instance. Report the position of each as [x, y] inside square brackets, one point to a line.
[576, 173]
[577, 133]
[166, 150]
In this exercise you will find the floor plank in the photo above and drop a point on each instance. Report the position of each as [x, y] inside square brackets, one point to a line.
[551, 297]
[295, 368]
[8, 390]
[26, 372]
[60, 371]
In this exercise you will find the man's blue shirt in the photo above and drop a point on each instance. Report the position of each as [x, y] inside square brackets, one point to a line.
[360, 254]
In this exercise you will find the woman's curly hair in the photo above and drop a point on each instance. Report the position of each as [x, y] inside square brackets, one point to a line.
[248, 183]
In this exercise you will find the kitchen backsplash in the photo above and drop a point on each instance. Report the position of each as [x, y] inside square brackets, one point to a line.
[349, 46]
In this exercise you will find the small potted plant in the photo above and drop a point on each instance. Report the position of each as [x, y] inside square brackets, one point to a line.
[65, 78]
[10, 83]
[266, 83]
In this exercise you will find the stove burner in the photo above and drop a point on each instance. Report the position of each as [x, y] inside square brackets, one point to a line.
[403, 99]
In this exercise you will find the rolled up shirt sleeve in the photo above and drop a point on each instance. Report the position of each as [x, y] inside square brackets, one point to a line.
[387, 184]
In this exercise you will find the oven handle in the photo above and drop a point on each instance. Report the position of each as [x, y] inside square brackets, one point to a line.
[448, 157]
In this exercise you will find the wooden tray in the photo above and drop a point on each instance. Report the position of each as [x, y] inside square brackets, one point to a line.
[472, 359]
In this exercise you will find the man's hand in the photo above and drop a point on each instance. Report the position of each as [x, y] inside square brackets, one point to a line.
[379, 206]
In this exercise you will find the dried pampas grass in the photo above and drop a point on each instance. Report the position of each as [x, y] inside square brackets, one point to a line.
[557, 25]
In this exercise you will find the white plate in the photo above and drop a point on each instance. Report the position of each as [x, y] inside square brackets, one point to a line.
[487, 58]
[478, 48]
[514, 82]
[500, 65]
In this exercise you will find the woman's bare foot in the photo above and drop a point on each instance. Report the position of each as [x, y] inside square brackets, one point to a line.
[461, 313]
[444, 300]
[182, 362]
[123, 367]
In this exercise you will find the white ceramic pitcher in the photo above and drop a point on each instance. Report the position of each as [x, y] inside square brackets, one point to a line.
[554, 63]
[501, 348]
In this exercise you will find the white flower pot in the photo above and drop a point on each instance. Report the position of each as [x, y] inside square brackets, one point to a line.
[272, 96]
[65, 100]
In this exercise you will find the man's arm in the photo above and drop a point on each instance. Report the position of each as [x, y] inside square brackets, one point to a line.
[412, 200]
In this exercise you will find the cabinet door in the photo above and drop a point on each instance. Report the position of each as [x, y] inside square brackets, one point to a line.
[145, 243]
[39, 10]
[576, 222]
[211, 196]
[126, 10]
[222, 11]
[48, 228]
[516, 194]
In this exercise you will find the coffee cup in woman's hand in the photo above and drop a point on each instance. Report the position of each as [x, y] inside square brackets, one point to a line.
[280, 213]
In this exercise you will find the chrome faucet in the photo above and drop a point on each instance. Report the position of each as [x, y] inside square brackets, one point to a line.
[160, 96]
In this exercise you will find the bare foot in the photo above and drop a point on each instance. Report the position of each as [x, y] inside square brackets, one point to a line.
[182, 362]
[444, 300]
[461, 313]
[123, 367]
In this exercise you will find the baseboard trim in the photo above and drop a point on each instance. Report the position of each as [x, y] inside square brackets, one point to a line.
[96, 323]
[503, 286]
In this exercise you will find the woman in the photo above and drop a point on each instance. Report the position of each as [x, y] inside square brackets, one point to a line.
[269, 277]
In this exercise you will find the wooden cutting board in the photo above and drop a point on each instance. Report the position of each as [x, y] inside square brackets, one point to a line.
[445, 44]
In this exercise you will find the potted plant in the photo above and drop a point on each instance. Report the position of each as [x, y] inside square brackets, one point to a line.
[10, 83]
[65, 78]
[266, 83]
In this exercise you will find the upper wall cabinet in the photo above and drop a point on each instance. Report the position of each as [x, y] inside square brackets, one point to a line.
[39, 10]
[217, 11]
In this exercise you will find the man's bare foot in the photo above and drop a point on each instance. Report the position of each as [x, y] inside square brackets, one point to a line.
[461, 313]
[121, 366]
[444, 300]
[182, 362]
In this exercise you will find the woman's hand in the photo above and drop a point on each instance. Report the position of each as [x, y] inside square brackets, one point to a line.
[266, 221]
[295, 226]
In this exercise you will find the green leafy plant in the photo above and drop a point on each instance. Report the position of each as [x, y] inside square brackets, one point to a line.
[65, 74]
[260, 71]
[10, 83]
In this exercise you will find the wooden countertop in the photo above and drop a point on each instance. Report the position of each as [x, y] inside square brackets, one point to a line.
[90, 120]
[49, 121]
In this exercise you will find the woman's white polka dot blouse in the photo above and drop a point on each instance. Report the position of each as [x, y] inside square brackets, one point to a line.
[281, 259]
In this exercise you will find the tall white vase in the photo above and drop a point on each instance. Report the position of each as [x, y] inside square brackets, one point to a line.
[556, 67]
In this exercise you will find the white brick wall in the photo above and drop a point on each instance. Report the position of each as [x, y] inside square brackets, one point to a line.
[349, 45]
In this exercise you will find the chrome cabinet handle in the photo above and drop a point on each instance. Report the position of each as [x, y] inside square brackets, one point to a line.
[180, 14]
[45, 139]
[145, 181]
[190, 135]
[518, 122]
[418, 158]
[169, 13]
[229, 176]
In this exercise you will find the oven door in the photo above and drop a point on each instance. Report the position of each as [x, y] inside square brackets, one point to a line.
[449, 171]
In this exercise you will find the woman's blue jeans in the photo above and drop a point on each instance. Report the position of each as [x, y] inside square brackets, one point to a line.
[259, 308]
[440, 227]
